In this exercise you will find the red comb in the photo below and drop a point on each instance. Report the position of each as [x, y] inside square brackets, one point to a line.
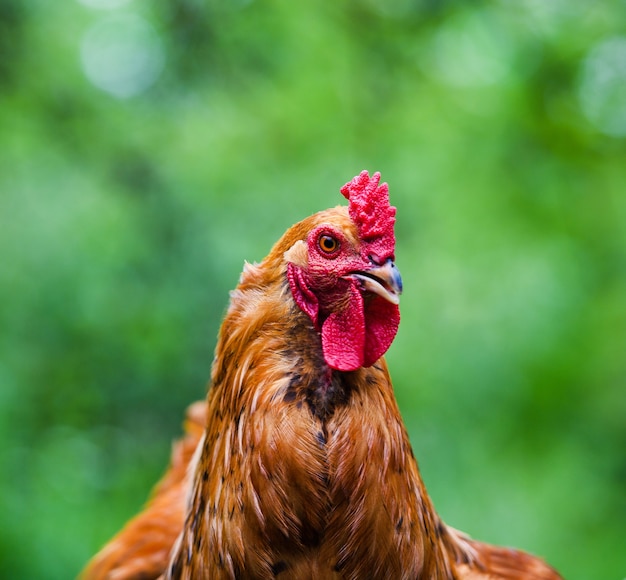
[370, 210]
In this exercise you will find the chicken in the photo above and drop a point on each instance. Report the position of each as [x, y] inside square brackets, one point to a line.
[298, 465]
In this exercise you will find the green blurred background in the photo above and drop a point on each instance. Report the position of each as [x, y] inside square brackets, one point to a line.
[148, 148]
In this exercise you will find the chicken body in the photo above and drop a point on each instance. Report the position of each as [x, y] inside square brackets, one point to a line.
[304, 468]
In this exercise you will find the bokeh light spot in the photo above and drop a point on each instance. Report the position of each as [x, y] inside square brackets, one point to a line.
[122, 55]
[602, 88]
[473, 49]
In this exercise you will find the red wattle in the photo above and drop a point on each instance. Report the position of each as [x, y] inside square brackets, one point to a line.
[343, 335]
[382, 319]
[360, 334]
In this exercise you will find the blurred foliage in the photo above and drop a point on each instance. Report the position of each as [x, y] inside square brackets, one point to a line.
[148, 148]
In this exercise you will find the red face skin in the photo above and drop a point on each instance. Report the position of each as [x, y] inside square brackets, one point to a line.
[350, 291]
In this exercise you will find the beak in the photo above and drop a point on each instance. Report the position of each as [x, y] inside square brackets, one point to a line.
[383, 280]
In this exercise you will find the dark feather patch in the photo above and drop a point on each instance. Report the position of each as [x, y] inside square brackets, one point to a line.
[279, 567]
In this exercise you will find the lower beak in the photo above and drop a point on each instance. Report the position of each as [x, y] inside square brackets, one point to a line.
[384, 280]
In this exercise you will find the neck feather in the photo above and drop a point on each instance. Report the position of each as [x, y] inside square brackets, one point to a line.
[303, 468]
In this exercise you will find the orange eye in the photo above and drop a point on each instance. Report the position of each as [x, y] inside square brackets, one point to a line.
[328, 244]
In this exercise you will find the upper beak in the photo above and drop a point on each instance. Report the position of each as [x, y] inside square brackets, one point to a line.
[383, 280]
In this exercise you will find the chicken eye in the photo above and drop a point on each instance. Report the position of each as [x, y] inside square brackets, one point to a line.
[328, 244]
